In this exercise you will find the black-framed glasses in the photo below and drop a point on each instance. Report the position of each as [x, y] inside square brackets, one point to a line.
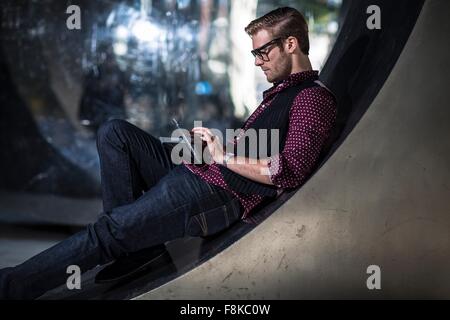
[263, 51]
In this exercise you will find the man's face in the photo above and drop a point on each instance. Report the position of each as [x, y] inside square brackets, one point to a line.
[279, 65]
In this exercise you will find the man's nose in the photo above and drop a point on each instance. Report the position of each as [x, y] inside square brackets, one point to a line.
[258, 61]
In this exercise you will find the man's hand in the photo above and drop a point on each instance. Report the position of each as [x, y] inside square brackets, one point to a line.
[257, 171]
[215, 146]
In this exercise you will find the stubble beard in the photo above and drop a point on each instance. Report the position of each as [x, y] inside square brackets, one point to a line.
[283, 70]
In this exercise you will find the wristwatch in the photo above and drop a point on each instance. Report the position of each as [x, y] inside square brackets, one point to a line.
[227, 158]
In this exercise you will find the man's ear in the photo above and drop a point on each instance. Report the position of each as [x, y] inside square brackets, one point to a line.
[292, 44]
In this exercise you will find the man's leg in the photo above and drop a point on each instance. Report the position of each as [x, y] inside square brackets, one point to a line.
[131, 162]
[180, 204]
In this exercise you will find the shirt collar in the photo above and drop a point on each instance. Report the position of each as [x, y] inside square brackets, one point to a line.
[291, 80]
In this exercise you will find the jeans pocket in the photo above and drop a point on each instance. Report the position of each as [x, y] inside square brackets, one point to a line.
[215, 220]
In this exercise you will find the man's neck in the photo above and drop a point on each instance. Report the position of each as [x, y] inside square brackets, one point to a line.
[302, 64]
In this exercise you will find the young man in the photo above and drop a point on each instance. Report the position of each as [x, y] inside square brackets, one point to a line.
[148, 200]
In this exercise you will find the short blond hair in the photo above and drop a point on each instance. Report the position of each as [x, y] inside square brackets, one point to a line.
[283, 22]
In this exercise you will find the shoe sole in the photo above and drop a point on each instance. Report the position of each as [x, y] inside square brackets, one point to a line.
[134, 272]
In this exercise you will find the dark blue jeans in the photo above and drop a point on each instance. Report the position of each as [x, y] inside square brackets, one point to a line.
[147, 201]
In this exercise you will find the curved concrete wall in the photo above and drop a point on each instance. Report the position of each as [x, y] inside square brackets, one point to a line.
[381, 199]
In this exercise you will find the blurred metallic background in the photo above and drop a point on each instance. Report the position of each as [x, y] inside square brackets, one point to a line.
[144, 61]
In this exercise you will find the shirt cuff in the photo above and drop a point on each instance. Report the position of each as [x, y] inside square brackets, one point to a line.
[274, 165]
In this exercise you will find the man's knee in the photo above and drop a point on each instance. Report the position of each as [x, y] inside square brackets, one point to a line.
[111, 130]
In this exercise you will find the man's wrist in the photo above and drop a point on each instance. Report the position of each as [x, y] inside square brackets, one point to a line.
[227, 157]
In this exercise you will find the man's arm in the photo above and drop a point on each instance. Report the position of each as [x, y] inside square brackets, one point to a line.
[311, 120]
[253, 169]
[256, 170]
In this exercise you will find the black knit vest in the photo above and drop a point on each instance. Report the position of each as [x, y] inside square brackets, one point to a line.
[275, 116]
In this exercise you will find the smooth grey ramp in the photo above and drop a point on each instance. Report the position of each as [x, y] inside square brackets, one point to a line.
[381, 199]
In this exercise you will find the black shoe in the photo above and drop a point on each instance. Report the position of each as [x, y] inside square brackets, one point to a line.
[133, 264]
[4, 283]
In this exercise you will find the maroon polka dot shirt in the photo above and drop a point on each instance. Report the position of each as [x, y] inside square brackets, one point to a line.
[311, 118]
